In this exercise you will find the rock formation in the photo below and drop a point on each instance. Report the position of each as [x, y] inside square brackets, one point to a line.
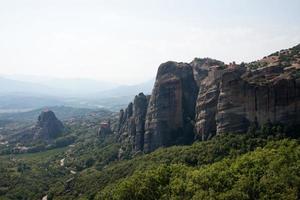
[246, 99]
[206, 97]
[131, 128]
[104, 129]
[48, 126]
[206, 106]
[140, 105]
[171, 107]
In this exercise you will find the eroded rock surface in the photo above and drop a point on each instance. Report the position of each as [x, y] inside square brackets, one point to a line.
[131, 127]
[171, 108]
[265, 91]
[206, 97]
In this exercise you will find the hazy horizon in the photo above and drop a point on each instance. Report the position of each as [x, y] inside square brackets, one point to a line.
[31, 78]
[125, 41]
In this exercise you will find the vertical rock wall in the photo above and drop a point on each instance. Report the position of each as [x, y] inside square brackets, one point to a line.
[203, 98]
[171, 110]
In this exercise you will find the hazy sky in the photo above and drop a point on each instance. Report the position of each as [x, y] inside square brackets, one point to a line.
[124, 41]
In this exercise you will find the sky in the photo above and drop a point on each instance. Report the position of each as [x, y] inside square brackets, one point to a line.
[124, 41]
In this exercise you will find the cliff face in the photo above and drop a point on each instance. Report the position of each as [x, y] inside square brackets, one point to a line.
[203, 98]
[131, 128]
[208, 96]
[171, 110]
[246, 100]
[233, 97]
[139, 112]
[221, 103]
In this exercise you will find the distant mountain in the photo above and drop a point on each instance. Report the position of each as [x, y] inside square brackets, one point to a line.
[116, 98]
[62, 112]
[22, 101]
[129, 90]
[17, 84]
[80, 87]
[53, 86]
[9, 86]
[20, 95]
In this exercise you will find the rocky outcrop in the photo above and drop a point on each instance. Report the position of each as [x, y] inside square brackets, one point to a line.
[201, 68]
[46, 129]
[166, 117]
[48, 126]
[131, 128]
[139, 112]
[171, 107]
[245, 100]
[206, 97]
[104, 129]
[206, 106]
[124, 118]
[234, 97]
[230, 114]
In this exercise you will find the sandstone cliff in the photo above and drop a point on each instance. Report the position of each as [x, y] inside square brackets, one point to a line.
[131, 125]
[265, 91]
[206, 97]
[171, 108]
